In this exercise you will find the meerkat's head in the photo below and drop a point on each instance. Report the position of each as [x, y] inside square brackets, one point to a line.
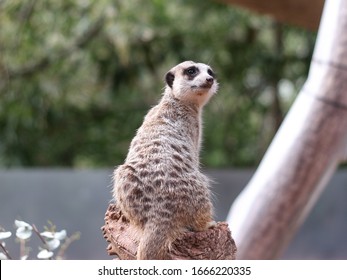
[191, 82]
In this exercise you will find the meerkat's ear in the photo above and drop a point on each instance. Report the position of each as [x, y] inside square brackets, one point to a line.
[169, 78]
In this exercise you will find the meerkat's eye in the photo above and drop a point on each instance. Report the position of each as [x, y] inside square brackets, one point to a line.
[211, 73]
[191, 71]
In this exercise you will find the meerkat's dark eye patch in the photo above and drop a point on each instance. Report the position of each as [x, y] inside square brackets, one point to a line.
[191, 72]
[211, 73]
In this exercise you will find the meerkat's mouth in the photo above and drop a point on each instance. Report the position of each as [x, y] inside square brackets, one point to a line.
[204, 86]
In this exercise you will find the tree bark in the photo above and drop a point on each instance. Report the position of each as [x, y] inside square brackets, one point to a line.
[305, 152]
[215, 243]
[303, 13]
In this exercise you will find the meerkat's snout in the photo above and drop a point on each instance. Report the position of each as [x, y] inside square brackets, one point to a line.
[208, 83]
[210, 80]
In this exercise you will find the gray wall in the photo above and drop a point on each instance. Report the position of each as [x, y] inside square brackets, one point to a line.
[76, 200]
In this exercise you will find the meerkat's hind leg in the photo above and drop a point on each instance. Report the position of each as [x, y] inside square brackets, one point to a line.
[212, 224]
[202, 225]
[209, 225]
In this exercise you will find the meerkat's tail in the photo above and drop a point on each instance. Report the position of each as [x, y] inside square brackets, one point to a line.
[154, 243]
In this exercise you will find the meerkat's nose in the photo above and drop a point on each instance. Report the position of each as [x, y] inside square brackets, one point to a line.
[209, 80]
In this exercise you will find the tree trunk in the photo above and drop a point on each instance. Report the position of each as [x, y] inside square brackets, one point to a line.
[305, 152]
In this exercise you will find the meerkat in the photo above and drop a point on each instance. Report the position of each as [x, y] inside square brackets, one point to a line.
[160, 188]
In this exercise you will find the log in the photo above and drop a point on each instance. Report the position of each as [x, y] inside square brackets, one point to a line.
[215, 243]
[305, 152]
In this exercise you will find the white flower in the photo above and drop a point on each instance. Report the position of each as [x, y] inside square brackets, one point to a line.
[53, 238]
[47, 234]
[21, 224]
[53, 244]
[23, 258]
[44, 254]
[61, 235]
[24, 230]
[5, 234]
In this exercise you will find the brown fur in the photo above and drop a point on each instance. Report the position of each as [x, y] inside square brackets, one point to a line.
[160, 188]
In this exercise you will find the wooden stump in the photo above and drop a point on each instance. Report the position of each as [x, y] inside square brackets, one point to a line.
[213, 244]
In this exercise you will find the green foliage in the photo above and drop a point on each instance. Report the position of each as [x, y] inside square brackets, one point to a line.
[77, 77]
